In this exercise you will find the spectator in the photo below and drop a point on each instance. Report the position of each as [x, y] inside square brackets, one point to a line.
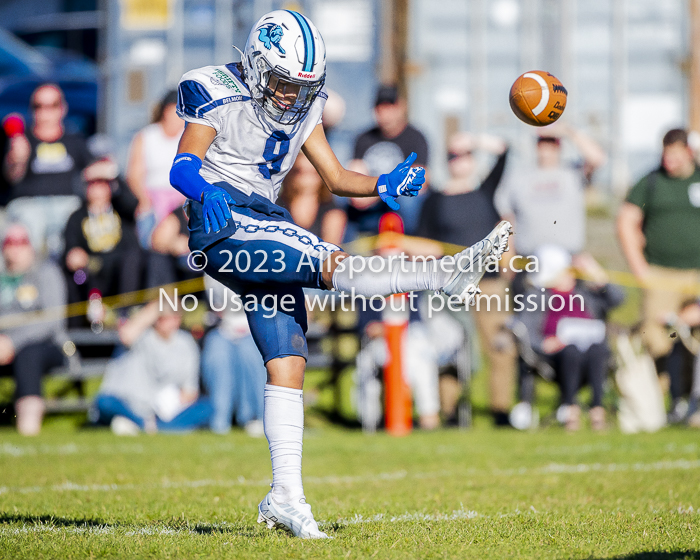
[12, 125]
[28, 350]
[388, 144]
[310, 203]
[363, 214]
[546, 204]
[689, 317]
[569, 331]
[155, 385]
[167, 261]
[45, 167]
[232, 368]
[462, 214]
[659, 230]
[102, 252]
[421, 356]
[153, 150]
[333, 112]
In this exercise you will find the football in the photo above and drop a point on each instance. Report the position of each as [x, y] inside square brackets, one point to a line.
[538, 98]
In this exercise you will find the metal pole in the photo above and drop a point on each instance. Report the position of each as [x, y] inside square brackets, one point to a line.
[530, 59]
[223, 51]
[568, 57]
[387, 62]
[479, 76]
[618, 95]
[176, 44]
[400, 46]
[530, 52]
[104, 37]
[393, 44]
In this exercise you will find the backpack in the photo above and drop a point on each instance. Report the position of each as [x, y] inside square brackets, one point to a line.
[641, 406]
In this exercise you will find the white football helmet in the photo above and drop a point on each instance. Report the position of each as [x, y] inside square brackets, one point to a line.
[284, 61]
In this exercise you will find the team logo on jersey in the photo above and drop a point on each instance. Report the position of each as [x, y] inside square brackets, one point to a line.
[271, 34]
[221, 79]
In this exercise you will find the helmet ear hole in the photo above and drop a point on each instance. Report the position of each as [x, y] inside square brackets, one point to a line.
[299, 49]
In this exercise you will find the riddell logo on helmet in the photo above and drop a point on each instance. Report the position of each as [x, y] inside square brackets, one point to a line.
[305, 75]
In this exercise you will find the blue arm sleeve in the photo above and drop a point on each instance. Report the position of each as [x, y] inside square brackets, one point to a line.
[185, 177]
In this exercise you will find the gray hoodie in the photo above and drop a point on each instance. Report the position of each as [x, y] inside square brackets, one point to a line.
[150, 365]
[36, 301]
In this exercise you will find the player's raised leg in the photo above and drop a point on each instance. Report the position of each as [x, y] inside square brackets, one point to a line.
[456, 275]
[470, 263]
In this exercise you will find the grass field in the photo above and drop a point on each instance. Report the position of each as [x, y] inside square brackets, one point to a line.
[483, 493]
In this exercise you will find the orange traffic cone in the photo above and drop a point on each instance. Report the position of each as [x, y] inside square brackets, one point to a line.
[398, 407]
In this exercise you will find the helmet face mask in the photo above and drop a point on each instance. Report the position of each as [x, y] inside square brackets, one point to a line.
[284, 63]
[287, 101]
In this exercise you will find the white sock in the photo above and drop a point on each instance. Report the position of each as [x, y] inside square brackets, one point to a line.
[283, 419]
[378, 276]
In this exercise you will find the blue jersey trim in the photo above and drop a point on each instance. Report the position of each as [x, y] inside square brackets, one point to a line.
[192, 95]
[218, 102]
[309, 54]
[233, 68]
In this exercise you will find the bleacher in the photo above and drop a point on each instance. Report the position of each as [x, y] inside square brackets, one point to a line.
[89, 354]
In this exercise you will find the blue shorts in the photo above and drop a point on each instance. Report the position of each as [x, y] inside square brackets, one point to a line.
[267, 259]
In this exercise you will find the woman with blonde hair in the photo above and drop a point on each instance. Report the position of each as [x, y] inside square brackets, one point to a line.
[150, 158]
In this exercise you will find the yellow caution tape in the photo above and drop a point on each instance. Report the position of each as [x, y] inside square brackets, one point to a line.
[361, 246]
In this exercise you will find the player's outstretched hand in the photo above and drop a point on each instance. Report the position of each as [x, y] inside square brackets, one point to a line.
[404, 180]
[215, 206]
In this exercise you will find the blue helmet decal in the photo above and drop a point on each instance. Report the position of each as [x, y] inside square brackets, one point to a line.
[309, 44]
[271, 34]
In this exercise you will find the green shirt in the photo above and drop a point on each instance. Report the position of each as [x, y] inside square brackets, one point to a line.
[671, 218]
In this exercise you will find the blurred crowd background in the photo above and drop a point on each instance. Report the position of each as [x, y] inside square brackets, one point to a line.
[607, 201]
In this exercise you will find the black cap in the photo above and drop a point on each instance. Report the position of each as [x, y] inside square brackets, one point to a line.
[169, 98]
[387, 94]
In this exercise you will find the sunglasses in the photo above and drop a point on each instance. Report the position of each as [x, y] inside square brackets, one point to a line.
[454, 155]
[15, 242]
[55, 105]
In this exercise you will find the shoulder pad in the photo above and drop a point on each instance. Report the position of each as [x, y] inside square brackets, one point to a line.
[206, 88]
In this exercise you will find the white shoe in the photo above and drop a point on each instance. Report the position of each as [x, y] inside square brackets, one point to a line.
[293, 516]
[523, 416]
[470, 264]
[122, 426]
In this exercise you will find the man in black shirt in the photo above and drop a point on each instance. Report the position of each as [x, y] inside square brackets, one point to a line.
[385, 146]
[4, 182]
[461, 214]
[44, 167]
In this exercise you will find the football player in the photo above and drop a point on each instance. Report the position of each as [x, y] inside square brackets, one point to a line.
[246, 123]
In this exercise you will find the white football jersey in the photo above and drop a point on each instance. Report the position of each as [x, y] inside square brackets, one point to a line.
[250, 151]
